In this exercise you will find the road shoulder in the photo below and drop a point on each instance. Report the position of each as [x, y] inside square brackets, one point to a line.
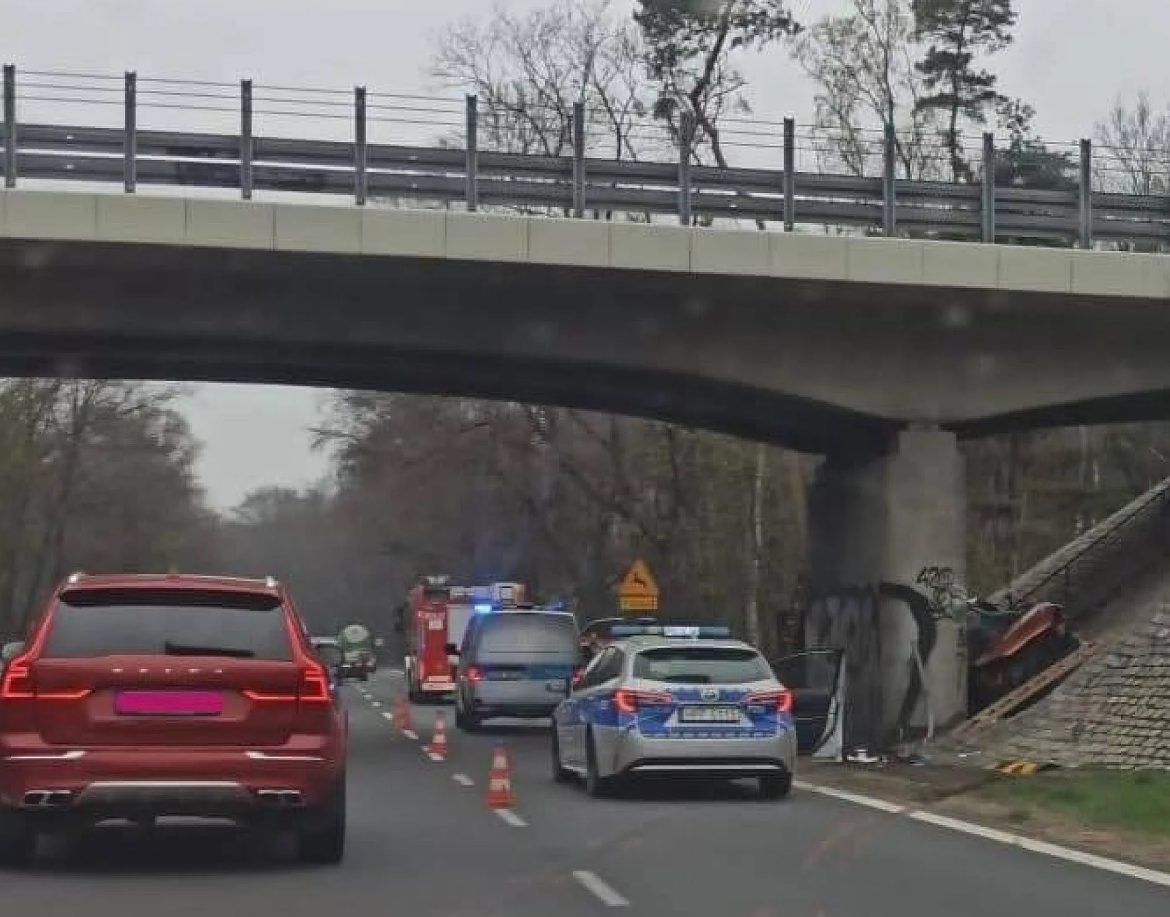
[963, 793]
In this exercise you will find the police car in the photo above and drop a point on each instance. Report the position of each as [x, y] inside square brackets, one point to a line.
[676, 700]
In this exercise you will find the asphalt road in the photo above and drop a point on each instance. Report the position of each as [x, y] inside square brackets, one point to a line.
[423, 842]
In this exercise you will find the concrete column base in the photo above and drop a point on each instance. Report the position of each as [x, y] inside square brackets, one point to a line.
[875, 522]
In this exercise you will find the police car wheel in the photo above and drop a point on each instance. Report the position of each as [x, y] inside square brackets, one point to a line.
[775, 787]
[595, 785]
[560, 775]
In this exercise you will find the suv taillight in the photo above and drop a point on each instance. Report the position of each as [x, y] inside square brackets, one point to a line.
[313, 689]
[314, 684]
[17, 683]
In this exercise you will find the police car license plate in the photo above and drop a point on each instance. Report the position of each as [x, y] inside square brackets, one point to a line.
[709, 714]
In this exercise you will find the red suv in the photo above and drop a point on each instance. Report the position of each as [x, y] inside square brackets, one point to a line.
[138, 696]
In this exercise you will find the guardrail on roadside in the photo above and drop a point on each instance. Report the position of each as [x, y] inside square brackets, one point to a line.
[572, 184]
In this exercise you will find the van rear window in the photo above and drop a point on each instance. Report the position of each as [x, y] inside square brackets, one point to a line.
[513, 632]
[93, 623]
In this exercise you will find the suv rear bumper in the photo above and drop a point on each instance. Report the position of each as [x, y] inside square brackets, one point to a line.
[198, 781]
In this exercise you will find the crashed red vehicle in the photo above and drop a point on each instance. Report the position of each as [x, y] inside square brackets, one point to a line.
[1008, 649]
[140, 696]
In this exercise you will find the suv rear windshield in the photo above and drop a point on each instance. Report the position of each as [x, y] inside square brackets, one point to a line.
[701, 665]
[90, 623]
[517, 632]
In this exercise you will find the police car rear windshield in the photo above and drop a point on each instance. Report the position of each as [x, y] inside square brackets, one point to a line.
[700, 665]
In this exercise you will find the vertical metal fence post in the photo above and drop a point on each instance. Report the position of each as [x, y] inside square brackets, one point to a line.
[789, 174]
[130, 134]
[472, 168]
[10, 140]
[246, 148]
[578, 159]
[359, 145]
[685, 137]
[987, 205]
[1086, 193]
[889, 201]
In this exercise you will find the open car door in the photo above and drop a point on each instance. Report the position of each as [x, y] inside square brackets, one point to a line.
[814, 678]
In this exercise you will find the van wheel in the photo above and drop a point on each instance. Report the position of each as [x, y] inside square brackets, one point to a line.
[324, 843]
[17, 839]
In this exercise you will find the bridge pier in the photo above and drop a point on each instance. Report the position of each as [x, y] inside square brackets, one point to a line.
[876, 520]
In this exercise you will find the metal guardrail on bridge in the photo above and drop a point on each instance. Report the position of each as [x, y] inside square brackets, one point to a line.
[574, 184]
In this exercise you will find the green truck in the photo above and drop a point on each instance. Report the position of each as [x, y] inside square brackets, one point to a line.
[358, 659]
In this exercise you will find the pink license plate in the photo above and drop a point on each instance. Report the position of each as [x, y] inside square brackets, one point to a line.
[168, 703]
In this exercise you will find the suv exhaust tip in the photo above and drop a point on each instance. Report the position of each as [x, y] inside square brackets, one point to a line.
[46, 799]
[281, 799]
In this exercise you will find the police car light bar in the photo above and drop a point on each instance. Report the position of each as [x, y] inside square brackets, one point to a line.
[691, 631]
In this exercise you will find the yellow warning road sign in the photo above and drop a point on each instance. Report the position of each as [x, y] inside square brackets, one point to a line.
[638, 590]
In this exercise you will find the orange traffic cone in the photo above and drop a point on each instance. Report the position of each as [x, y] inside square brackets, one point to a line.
[438, 747]
[499, 794]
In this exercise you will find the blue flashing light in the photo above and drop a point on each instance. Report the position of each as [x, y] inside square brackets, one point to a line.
[685, 631]
[482, 609]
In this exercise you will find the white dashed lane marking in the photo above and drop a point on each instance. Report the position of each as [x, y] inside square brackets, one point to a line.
[410, 734]
[511, 818]
[463, 780]
[600, 889]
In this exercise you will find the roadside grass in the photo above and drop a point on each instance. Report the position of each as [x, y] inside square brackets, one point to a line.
[1136, 801]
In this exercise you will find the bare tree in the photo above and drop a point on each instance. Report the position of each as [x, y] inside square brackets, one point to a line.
[529, 69]
[1135, 158]
[863, 64]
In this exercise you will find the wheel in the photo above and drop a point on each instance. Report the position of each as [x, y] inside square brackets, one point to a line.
[559, 773]
[17, 839]
[323, 844]
[775, 786]
[595, 785]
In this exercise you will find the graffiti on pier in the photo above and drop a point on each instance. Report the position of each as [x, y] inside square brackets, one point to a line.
[850, 619]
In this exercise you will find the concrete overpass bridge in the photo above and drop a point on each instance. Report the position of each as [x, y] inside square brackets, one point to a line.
[879, 353]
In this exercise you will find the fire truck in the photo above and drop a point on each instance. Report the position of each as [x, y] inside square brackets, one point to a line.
[433, 621]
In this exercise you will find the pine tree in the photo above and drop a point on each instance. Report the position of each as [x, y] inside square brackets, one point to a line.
[956, 33]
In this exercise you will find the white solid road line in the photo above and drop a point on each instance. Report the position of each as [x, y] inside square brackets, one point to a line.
[410, 734]
[880, 804]
[993, 834]
[599, 888]
[1043, 847]
[463, 780]
[511, 818]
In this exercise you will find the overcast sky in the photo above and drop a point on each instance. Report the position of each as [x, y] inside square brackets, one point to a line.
[1070, 60]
